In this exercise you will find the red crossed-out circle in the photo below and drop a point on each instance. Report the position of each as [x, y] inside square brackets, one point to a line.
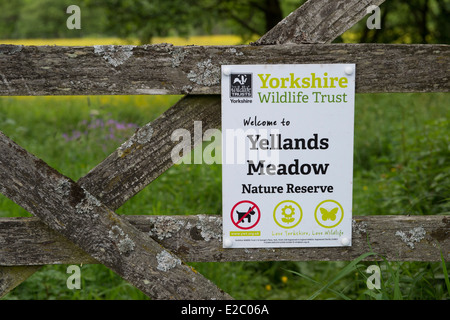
[253, 206]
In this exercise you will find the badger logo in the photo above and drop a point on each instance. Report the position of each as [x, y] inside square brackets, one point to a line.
[241, 85]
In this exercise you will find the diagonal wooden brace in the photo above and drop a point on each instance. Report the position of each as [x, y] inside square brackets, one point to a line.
[318, 21]
[74, 212]
[142, 163]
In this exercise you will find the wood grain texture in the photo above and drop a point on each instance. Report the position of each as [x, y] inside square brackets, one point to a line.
[166, 69]
[318, 21]
[80, 217]
[198, 238]
[11, 277]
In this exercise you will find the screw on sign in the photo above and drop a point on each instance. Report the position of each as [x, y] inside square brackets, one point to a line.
[245, 214]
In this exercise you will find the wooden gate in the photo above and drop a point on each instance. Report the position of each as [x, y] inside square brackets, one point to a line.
[75, 222]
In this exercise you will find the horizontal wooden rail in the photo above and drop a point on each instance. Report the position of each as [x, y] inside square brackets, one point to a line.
[168, 69]
[198, 238]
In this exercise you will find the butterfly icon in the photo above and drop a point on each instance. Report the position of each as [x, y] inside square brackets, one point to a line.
[329, 214]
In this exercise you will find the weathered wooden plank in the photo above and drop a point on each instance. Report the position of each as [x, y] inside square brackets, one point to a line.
[318, 21]
[76, 214]
[166, 69]
[203, 235]
[11, 277]
[198, 238]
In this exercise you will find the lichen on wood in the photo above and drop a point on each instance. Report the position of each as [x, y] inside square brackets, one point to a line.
[165, 227]
[359, 227]
[114, 55]
[412, 236]
[166, 261]
[206, 73]
[141, 136]
[210, 227]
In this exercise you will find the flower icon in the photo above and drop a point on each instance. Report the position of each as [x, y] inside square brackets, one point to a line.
[288, 211]
[287, 214]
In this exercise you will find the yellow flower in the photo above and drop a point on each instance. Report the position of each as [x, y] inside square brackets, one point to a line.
[268, 287]
[284, 279]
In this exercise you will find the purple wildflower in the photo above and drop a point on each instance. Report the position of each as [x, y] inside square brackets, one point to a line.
[104, 129]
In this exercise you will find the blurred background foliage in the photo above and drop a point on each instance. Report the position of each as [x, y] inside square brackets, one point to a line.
[402, 21]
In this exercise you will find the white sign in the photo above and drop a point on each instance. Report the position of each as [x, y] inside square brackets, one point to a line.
[287, 158]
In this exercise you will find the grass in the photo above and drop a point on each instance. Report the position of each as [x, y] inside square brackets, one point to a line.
[402, 154]
[401, 166]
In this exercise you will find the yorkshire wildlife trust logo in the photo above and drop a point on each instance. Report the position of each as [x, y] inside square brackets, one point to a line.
[241, 85]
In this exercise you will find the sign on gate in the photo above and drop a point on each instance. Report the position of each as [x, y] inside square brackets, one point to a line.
[287, 158]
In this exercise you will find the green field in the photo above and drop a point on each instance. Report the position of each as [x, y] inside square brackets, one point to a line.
[401, 166]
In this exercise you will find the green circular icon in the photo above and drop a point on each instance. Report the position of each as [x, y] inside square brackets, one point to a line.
[287, 214]
[330, 212]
